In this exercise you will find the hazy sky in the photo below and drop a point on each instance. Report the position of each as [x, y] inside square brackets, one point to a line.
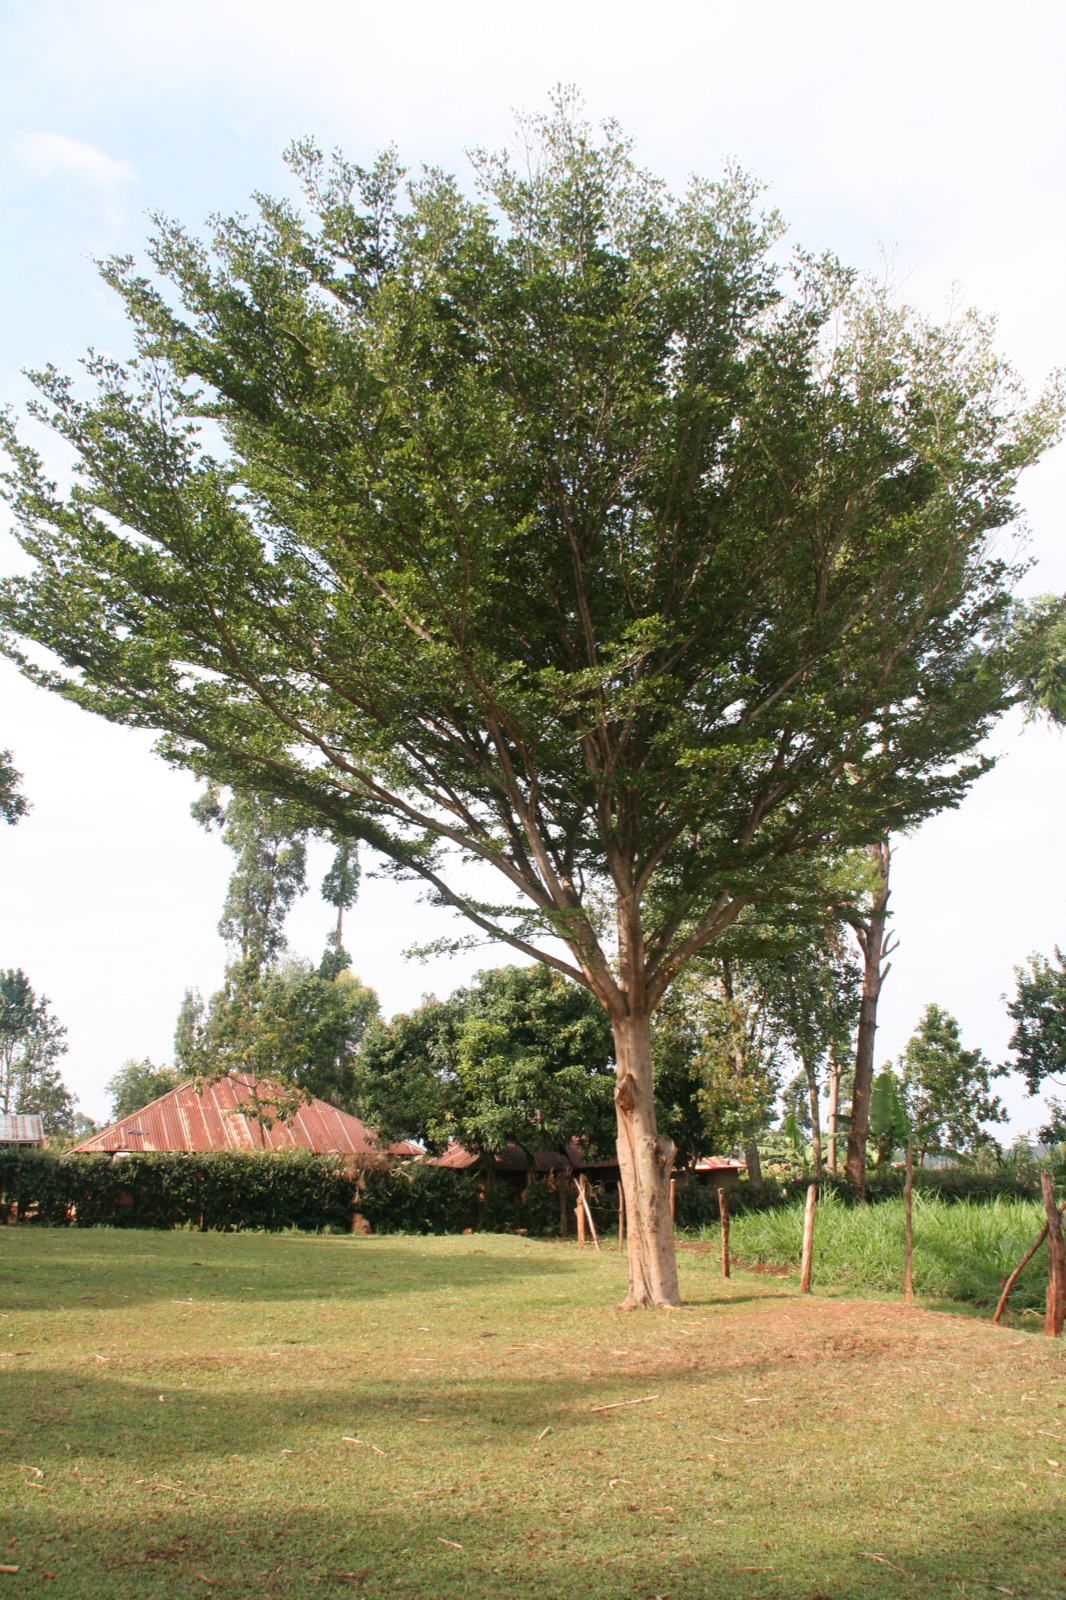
[933, 132]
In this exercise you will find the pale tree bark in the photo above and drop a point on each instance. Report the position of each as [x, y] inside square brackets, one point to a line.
[646, 1159]
[816, 1121]
[876, 945]
[835, 1071]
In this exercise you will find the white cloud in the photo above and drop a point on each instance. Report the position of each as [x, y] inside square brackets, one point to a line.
[46, 154]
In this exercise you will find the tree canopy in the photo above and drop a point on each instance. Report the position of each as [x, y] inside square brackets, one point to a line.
[136, 1084]
[1038, 1011]
[558, 528]
[947, 1089]
[520, 1056]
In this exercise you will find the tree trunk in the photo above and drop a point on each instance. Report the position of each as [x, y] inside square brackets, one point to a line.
[834, 1101]
[807, 1254]
[1056, 1261]
[753, 1160]
[874, 943]
[816, 1122]
[646, 1159]
[723, 1212]
[908, 1226]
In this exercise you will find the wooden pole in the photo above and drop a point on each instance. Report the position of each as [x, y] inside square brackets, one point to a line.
[1012, 1280]
[808, 1239]
[588, 1213]
[908, 1229]
[723, 1212]
[579, 1210]
[621, 1218]
[1056, 1258]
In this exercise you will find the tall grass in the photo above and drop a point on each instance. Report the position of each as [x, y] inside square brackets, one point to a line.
[962, 1251]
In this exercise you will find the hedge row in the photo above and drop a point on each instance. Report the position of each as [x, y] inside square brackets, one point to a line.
[235, 1189]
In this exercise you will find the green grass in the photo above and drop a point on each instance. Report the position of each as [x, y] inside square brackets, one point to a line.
[174, 1411]
[962, 1250]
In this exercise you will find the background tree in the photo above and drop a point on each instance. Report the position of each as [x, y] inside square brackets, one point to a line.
[520, 1057]
[405, 1078]
[269, 875]
[13, 803]
[716, 1063]
[559, 529]
[32, 1041]
[340, 888]
[136, 1084]
[812, 990]
[947, 1090]
[1038, 1011]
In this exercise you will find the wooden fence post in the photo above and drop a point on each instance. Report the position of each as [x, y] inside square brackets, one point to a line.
[808, 1239]
[1056, 1260]
[588, 1214]
[723, 1212]
[579, 1209]
[908, 1229]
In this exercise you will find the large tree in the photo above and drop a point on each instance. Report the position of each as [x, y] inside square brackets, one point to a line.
[560, 529]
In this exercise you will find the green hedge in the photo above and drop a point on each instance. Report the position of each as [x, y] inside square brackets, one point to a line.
[235, 1189]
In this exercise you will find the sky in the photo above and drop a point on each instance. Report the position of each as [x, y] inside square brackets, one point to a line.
[929, 133]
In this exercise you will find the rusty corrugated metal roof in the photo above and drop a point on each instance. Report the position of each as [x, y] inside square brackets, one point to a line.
[208, 1119]
[21, 1128]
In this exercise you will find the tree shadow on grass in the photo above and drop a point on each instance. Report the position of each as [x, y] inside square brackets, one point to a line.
[121, 1268]
[325, 1543]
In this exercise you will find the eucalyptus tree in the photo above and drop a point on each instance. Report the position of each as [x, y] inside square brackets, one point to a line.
[555, 526]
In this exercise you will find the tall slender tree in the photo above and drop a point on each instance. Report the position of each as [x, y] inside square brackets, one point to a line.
[869, 921]
[557, 528]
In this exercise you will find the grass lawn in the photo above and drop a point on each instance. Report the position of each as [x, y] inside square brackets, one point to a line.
[175, 1409]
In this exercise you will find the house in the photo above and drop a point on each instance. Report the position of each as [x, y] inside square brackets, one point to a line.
[21, 1128]
[211, 1118]
[515, 1165]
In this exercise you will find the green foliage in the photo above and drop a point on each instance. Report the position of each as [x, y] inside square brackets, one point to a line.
[1039, 645]
[274, 1190]
[947, 1090]
[962, 1251]
[715, 1061]
[13, 803]
[889, 1124]
[137, 1084]
[32, 1041]
[217, 1189]
[292, 1024]
[562, 529]
[405, 1074]
[1038, 1012]
[270, 873]
[521, 1056]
